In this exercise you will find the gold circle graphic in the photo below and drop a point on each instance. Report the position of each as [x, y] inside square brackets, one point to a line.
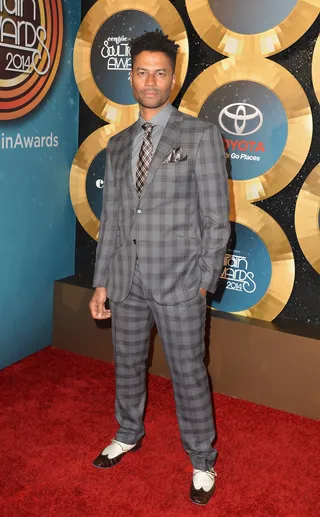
[89, 149]
[264, 44]
[307, 218]
[171, 23]
[316, 69]
[296, 106]
[281, 256]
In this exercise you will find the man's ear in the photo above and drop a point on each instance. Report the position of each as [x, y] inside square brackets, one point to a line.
[131, 77]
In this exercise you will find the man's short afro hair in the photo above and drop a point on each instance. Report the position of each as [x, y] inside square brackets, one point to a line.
[154, 41]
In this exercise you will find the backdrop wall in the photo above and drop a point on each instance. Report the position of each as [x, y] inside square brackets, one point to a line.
[252, 68]
[38, 140]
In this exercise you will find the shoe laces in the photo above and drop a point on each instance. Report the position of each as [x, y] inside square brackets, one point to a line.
[212, 474]
[118, 443]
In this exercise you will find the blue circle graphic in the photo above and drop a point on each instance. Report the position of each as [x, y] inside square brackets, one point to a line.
[246, 273]
[251, 16]
[253, 124]
[110, 54]
[94, 183]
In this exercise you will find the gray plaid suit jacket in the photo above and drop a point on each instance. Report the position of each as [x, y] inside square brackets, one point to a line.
[178, 228]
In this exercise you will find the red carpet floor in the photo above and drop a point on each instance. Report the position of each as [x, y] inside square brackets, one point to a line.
[57, 414]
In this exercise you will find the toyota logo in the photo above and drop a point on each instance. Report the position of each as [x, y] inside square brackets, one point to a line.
[234, 118]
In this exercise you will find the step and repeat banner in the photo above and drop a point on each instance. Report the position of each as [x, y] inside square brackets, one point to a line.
[253, 69]
[38, 116]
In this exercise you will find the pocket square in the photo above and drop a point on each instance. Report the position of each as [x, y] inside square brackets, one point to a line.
[176, 155]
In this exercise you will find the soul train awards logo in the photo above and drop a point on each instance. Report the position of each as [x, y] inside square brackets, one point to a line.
[26, 41]
[246, 273]
[31, 42]
[116, 52]
[236, 274]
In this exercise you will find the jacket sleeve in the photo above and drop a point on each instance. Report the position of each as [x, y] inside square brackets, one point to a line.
[212, 182]
[107, 239]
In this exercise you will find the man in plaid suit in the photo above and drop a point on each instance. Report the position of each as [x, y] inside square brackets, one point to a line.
[163, 234]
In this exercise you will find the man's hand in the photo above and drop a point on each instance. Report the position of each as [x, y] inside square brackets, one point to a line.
[96, 305]
[203, 291]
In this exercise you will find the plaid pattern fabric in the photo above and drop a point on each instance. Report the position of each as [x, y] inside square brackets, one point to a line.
[178, 226]
[181, 329]
[145, 157]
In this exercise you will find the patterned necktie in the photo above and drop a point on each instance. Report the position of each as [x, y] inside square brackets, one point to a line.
[145, 157]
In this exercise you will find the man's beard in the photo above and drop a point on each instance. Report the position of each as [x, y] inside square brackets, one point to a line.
[153, 103]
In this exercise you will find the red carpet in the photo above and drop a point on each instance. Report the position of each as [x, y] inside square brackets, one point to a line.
[57, 415]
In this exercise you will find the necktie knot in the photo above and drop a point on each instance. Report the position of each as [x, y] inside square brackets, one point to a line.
[147, 127]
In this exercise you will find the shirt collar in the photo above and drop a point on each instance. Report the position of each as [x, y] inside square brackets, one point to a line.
[161, 118]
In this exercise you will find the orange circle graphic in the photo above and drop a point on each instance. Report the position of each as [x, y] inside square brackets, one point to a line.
[31, 38]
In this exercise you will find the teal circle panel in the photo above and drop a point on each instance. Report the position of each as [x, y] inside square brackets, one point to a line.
[246, 273]
[251, 16]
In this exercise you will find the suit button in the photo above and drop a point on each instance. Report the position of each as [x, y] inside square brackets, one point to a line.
[139, 211]
[134, 241]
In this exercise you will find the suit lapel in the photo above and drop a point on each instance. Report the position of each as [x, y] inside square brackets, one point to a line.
[126, 157]
[168, 138]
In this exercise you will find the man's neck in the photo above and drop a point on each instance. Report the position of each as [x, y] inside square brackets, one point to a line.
[148, 113]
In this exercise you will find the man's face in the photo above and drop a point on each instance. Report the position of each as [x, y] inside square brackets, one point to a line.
[152, 79]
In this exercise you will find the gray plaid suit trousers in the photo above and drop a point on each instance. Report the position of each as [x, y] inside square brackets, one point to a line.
[181, 329]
